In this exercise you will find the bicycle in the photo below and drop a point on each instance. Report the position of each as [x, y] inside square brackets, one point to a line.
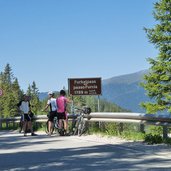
[56, 129]
[81, 124]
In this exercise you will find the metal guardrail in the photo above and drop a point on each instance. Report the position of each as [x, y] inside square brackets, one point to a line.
[141, 118]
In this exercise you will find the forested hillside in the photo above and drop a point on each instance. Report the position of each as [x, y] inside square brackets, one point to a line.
[126, 91]
[12, 94]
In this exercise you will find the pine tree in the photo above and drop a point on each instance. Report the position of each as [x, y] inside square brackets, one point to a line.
[11, 89]
[158, 80]
[33, 92]
[16, 96]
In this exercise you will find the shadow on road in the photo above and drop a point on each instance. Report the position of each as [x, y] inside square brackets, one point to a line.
[91, 157]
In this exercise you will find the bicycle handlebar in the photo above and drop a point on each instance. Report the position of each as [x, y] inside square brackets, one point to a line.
[85, 109]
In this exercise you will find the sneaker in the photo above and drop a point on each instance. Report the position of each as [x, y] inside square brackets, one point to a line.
[25, 133]
[67, 134]
[33, 134]
[49, 134]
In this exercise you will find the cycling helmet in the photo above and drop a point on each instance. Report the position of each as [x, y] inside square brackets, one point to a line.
[50, 93]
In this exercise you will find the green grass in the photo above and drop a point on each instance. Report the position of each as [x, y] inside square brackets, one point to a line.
[152, 135]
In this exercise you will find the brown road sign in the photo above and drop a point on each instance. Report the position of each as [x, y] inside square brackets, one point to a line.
[84, 86]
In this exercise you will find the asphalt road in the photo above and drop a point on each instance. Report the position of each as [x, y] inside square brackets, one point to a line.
[74, 153]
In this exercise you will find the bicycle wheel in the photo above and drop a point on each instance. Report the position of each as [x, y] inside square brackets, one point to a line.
[76, 125]
[61, 130]
[20, 126]
[55, 125]
[81, 127]
[73, 125]
[47, 128]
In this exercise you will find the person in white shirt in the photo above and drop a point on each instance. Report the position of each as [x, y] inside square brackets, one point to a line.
[53, 111]
[24, 108]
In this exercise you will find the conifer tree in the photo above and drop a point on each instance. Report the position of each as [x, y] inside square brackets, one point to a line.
[11, 89]
[157, 82]
[33, 92]
[16, 95]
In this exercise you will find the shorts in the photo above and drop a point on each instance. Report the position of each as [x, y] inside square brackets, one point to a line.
[52, 114]
[62, 116]
[22, 117]
[26, 117]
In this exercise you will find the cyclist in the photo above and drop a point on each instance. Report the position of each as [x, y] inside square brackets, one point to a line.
[61, 111]
[24, 108]
[53, 110]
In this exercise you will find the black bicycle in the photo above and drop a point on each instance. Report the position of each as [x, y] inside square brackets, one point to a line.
[56, 128]
[81, 124]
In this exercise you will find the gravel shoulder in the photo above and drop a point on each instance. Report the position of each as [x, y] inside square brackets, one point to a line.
[158, 149]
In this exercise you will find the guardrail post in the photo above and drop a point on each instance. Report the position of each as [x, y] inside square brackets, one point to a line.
[0, 124]
[142, 130]
[120, 128]
[7, 124]
[165, 132]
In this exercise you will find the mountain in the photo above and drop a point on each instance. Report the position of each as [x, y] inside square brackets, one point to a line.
[43, 95]
[125, 91]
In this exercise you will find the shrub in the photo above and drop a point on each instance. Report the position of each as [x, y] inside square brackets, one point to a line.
[153, 139]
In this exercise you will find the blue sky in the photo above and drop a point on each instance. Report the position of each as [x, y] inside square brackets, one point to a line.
[49, 41]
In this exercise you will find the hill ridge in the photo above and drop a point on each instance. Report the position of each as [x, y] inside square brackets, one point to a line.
[125, 91]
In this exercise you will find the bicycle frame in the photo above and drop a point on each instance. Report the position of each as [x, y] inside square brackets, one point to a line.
[56, 128]
[80, 126]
